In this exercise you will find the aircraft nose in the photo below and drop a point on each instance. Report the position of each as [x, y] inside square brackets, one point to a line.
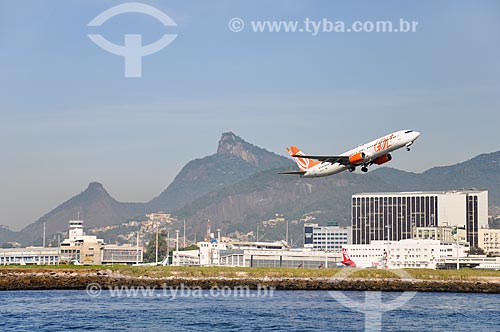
[417, 135]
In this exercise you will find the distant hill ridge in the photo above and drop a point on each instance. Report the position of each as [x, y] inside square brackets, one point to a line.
[95, 204]
[234, 161]
[238, 186]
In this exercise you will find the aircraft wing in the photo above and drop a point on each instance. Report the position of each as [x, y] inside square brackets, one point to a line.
[293, 173]
[343, 160]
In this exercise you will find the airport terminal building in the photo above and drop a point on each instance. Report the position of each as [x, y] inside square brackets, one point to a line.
[392, 216]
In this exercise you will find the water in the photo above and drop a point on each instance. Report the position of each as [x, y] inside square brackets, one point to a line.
[285, 311]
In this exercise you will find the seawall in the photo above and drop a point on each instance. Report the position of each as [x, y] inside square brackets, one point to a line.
[80, 279]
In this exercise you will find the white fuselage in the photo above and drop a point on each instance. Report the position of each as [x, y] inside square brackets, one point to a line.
[372, 151]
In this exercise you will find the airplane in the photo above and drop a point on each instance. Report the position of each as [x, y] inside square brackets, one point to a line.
[374, 152]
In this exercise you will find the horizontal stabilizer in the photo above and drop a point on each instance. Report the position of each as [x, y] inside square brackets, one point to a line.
[293, 173]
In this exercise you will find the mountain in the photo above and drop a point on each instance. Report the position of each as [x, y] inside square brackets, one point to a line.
[264, 194]
[94, 204]
[238, 186]
[6, 235]
[260, 195]
[234, 161]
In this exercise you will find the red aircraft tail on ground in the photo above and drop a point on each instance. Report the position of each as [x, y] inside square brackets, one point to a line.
[346, 260]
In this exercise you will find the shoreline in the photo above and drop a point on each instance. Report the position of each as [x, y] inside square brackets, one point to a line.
[78, 279]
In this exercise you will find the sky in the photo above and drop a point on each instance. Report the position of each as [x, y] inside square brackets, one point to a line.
[69, 115]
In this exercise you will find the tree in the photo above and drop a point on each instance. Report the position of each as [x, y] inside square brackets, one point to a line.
[150, 252]
[190, 247]
[476, 251]
[494, 223]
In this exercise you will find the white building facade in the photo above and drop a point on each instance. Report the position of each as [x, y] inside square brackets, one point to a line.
[327, 238]
[256, 254]
[489, 241]
[391, 216]
[29, 256]
[298, 258]
[207, 254]
[406, 253]
[79, 248]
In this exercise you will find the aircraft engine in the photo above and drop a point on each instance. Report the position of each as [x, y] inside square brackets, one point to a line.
[383, 159]
[357, 159]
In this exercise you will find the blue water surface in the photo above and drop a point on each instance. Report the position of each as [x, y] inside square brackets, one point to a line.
[283, 311]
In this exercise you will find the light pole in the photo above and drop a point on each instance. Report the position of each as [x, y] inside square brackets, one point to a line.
[58, 248]
[455, 232]
[325, 236]
[44, 229]
[168, 245]
[156, 225]
[137, 249]
[413, 226]
[218, 246]
[184, 234]
[286, 233]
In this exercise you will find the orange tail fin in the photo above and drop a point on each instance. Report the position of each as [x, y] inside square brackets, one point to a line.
[303, 163]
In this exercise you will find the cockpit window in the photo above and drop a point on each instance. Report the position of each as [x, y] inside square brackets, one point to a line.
[408, 131]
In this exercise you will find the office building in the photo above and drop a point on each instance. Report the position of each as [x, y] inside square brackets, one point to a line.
[443, 233]
[328, 238]
[489, 241]
[392, 216]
